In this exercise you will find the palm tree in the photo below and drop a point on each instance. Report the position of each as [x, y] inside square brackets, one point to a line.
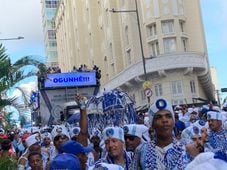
[11, 74]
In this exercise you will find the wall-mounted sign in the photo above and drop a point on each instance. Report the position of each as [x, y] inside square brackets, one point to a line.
[72, 79]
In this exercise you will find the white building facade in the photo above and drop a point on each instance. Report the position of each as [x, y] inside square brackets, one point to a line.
[174, 46]
[49, 8]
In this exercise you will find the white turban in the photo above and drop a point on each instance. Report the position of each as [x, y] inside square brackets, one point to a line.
[158, 105]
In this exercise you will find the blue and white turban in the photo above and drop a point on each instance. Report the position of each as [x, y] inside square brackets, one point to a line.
[46, 135]
[214, 115]
[74, 131]
[59, 130]
[113, 132]
[158, 105]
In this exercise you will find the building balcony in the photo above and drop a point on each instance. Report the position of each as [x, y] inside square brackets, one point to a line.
[189, 62]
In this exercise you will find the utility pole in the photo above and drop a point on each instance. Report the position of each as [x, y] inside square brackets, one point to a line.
[140, 35]
[14, 38]
[140, 39]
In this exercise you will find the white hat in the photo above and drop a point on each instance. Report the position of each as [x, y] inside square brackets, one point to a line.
[200, 124]
[74, 131]
[216, 108]
[177, 107]
[160, 104]
[190, 132]
[46, 135]
[135, 130]
[106, 166]
[191, 110]
[214, 115]
[206, 161]
[193, 130]
[35, 129]
[113, 132]
[59, 130]
[32, 140]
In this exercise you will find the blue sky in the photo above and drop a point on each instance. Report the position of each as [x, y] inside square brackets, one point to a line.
[23, 18]
[214, 14]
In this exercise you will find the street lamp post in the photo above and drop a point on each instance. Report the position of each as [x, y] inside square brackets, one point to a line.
[140, 35]
[15, 38]
[140, 38]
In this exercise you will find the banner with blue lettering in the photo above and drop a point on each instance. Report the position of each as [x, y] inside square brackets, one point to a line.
[72, 79]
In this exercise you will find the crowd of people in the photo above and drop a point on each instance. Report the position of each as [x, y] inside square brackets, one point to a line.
[164, 138]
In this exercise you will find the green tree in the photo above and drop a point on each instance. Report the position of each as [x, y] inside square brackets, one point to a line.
[13, 73]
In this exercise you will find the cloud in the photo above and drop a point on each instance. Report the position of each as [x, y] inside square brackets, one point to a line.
[21, 18]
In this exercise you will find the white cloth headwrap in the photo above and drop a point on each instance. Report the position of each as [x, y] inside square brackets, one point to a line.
[214, 115]
[46, 135]
[106, 166]
[74, 131]
[32, 140]
[135, 130]
[158, 105]
[59, 130]
[113, 132]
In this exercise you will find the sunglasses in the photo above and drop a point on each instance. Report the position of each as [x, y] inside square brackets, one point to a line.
[131, 138]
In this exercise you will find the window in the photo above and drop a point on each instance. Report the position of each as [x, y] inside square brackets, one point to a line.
[192, 86]
[111, 51]
[158, 90]
[154, 48]
[113, 68]
[177, 88]
[178, 102]
[169, 45]
[151, 30]
[129, 57]
[51, 4]
[167, 27]
[182, 25]
[184, 44]
[51, 34]
[126, 35]
[52, 44]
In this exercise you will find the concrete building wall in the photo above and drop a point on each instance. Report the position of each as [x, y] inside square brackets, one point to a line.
[173, 43]
[48, 18]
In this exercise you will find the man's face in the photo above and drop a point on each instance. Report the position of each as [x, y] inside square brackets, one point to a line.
[46, 141]
[36, 162]
[131, 142]
[204, 134]
[59, 140]
[114, 147]
[140, 117]
[35, 148]
[163, 123]
[198, 142]
[214, 125]
[193, 117]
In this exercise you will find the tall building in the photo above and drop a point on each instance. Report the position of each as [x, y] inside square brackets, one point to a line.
[214, 77]
[49, 8]
[90, 32]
